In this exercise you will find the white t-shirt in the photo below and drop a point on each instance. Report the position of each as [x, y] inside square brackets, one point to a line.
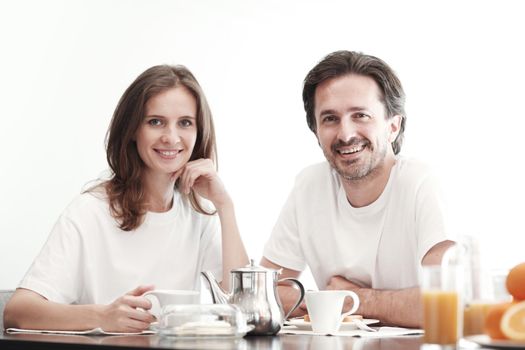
[88, 259]
[379, 246]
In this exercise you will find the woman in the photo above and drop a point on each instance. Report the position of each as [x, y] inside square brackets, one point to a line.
[146, 227]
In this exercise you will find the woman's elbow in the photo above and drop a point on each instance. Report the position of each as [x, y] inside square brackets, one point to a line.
[10, 315]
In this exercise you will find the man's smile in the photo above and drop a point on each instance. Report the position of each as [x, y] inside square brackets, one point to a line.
[350, 150]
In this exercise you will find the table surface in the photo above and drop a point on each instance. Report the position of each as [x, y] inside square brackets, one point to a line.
[281, 342]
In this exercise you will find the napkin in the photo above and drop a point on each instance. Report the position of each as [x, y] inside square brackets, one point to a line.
[381, 332]
[94, 331]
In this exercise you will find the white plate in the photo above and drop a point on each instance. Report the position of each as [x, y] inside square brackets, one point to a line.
[345, 326]
[484, 340]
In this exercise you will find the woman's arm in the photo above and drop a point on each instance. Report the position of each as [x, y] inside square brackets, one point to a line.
[29, 310]
[201, 176]
[233, 251]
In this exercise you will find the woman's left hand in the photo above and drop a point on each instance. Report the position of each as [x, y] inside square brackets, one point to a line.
[201, 176]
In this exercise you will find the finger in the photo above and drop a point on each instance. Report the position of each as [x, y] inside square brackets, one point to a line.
[191, 176]
[141, 289]
[176, 174]
[195, 174]
[137, 301]
[184, 180]
[303, 306]
[141, 315]
[136, 325]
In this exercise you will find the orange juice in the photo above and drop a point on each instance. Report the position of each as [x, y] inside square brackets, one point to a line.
[440, 316]
[474, 316]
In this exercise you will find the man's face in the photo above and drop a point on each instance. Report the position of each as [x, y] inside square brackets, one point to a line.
[352, 129]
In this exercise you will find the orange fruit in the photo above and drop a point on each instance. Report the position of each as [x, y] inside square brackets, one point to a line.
[513, 322]
[493, 320]
[516, 282]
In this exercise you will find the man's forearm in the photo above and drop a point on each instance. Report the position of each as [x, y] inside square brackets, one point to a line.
[393, 307]
[289, 296]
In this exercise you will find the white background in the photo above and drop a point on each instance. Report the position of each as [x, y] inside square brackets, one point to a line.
[64, 65]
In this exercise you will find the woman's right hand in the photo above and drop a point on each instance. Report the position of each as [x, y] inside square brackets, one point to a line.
[128, 313]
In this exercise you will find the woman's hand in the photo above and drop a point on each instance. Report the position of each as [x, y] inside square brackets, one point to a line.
[128, 313]
[201, 176]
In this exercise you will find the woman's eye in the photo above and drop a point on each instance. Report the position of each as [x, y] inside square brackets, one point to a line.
[185, 123]
[154, 122]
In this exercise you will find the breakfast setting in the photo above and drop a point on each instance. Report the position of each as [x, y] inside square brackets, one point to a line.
[262, 175]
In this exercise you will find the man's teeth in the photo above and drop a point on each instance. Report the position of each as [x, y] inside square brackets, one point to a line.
[350, 150]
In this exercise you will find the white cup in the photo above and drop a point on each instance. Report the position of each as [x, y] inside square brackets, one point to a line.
[162, 297]
[324, 308]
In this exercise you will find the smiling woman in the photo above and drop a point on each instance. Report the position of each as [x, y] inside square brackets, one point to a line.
[130, 233]
[166, 138]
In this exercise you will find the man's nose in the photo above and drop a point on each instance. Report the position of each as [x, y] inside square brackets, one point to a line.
[347, 130]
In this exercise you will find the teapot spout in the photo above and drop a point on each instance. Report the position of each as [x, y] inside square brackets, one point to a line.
[218, 295]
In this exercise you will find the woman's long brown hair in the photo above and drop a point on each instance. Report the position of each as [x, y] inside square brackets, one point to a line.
[125, 189]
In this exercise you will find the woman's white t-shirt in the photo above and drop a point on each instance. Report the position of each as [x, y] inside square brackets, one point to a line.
[88, 259]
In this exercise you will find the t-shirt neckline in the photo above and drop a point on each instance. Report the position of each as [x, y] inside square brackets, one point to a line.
[375, 206]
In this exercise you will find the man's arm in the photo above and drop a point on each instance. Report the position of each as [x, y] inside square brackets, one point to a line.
[287, 293]
[395, 307]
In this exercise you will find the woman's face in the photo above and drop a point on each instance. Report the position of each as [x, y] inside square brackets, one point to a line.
[167, 135]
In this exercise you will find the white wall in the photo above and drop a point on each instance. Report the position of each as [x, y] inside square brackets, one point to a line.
[64, 64]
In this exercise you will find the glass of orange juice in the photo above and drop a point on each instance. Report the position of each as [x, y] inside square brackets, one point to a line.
[442, 306]
[484, 287]
[488, 289]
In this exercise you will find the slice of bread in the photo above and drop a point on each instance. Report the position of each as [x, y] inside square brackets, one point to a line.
[350, 318]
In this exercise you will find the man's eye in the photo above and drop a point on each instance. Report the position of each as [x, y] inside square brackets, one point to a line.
[154, 122]
[362, 115]
[185, 123]
[329, 119]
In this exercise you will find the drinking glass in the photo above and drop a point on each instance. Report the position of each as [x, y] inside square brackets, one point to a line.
[484, 287]
[442, 305]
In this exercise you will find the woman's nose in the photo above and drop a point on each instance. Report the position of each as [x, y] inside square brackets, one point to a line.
[170, 135]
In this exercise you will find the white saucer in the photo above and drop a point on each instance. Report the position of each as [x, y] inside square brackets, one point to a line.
[484, 340]
[345, 326]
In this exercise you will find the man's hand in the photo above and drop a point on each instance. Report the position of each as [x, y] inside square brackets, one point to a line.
[341, 283]
[128, 313]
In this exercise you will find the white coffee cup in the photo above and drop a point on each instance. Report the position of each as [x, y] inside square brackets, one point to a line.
[163, 297]
[324, 308]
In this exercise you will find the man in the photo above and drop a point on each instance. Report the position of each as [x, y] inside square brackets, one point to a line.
[368, 218]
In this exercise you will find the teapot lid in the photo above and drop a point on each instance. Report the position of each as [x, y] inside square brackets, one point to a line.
[251, 267]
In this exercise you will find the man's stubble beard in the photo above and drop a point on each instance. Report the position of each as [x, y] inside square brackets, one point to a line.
[366, 171]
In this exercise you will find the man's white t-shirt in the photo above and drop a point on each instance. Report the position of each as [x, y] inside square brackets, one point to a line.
[88, 259]
[379, 246]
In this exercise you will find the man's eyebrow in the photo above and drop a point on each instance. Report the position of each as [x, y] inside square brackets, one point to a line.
[333, 111]
[327, 112]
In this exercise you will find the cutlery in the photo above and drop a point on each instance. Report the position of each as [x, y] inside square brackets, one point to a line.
[362, 326]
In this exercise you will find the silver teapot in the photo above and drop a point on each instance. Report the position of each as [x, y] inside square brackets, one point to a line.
[254, 291]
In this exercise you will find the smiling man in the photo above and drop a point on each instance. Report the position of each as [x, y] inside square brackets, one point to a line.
[368, 218]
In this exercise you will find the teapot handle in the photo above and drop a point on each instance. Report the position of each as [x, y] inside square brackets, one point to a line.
[301, 297]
